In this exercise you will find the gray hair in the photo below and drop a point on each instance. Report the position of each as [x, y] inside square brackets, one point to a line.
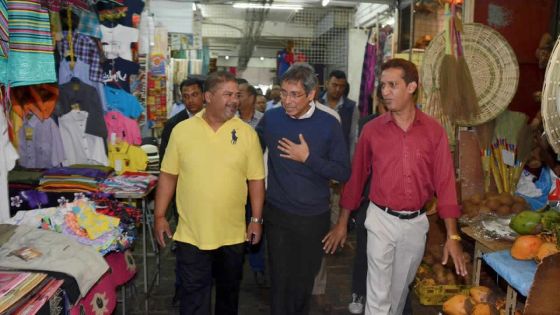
[301, 72]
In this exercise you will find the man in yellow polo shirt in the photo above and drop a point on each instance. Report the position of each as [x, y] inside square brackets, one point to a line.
[211, 161]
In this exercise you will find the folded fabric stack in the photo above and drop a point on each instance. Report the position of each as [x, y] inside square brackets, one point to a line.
[78, 178]
[26, 292]
[129, 182]
[24, 179]
[81, 222]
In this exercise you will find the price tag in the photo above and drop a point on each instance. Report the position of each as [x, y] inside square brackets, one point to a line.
[508, 158]
[113, 138]
[28, 133]
[118, 165]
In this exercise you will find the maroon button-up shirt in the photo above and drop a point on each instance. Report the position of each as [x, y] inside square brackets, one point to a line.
[407, 167]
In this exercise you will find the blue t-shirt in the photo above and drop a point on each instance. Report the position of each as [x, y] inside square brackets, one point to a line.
[123, 102]
[303, 188]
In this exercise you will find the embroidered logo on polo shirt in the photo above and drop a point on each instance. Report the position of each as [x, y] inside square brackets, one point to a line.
[233, 136]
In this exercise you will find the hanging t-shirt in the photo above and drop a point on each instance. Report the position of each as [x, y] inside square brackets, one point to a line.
[79, 146]
[111, 13]
[7, 162]
[125, 157]
[116, 72]
[123, 102]
[122, 127]
[40, 145]
[116, 41]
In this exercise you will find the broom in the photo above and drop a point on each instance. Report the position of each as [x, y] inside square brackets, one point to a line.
[525, 144]
[484, 134]
[449, 90]
[508, 125]
[469, 102]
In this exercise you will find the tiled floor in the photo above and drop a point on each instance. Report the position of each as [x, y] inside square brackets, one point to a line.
[253, 299]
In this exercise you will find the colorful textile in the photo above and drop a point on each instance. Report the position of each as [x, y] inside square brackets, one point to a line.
[40, 145]
[124, 102]
[367, 84]
[125, 157]
[85, 49]
[29, 27]
[89, 24]
[128, 183]
[122, 128]
[97, 224]
[4, 29]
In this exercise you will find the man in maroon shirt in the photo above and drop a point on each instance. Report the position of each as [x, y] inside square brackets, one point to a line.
[407, 154]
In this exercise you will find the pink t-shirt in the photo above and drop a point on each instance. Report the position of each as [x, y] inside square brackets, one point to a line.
[123, 128]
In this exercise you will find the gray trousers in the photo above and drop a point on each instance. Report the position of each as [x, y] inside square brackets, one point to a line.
[394, 249]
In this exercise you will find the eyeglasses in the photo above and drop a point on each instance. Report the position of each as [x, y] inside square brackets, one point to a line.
[292, 95]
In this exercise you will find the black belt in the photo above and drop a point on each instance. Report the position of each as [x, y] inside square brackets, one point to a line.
[400, 214]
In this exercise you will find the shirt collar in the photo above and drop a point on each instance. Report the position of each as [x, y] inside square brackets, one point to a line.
[309, 112]
[419, 117]
[338, 104]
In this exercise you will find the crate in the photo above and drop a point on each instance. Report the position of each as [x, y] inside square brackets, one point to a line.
[438, 294]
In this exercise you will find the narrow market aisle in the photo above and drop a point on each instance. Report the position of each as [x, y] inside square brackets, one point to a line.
[254, 299]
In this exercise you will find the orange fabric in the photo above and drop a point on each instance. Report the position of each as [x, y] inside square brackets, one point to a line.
[37, 99]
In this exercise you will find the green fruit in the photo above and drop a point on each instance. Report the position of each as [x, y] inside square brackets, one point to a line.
[526, 222]
[549, 218]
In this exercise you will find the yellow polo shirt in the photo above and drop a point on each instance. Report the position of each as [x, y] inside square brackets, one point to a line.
[213, 168]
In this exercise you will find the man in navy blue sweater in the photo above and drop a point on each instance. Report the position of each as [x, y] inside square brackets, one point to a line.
[307, 149]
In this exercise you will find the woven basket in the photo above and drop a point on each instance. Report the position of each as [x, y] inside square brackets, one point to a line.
[492, 63]
[550, 100]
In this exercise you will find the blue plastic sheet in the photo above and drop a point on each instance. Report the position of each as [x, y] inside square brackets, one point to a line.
[518, 273]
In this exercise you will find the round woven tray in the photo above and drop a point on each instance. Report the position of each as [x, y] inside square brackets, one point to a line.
[492, 63]
[550, 99]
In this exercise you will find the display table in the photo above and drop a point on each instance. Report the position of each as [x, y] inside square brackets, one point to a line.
[483, 245]
[519, 275]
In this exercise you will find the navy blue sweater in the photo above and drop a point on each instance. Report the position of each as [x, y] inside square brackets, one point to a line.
[303, 188]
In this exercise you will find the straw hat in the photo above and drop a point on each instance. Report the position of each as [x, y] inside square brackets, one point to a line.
[550, 99]
[492, 63]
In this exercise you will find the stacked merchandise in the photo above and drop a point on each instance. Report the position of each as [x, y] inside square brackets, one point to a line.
[73, 179]
[102, 231]
[27, 293]
[129, 182]
[69, 118]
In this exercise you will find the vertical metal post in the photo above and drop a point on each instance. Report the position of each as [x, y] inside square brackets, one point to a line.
[411, 30]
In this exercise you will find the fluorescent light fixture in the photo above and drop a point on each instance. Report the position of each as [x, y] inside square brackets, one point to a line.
[194, 6]
[245, 5]
[227, 57]
[325, 2]
[262, 58]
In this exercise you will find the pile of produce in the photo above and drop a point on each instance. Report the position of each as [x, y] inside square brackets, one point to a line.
[539, 234]
[431, 272]
[502, 204]
[480, 301]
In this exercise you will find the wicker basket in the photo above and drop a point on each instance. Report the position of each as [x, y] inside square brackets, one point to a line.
[492, 63]
[550, 100]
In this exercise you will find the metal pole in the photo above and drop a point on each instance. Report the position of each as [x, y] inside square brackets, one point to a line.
[411, 30]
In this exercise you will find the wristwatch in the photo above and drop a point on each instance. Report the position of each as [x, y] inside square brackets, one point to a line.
[257, 220]
[454, 237]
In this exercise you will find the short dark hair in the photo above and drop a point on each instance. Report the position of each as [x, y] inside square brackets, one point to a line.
[339, 74]
[251, 89]
[301, 72]
[241, 81]
[217, 78]
[189, 82]
[410, 72]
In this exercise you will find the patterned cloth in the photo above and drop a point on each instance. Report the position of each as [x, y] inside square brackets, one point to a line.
[4, 35]
[89, 24]
[86, 50]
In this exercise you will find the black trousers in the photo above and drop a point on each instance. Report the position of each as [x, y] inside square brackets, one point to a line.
[359, 271]
[197, 269]
[295, 253]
